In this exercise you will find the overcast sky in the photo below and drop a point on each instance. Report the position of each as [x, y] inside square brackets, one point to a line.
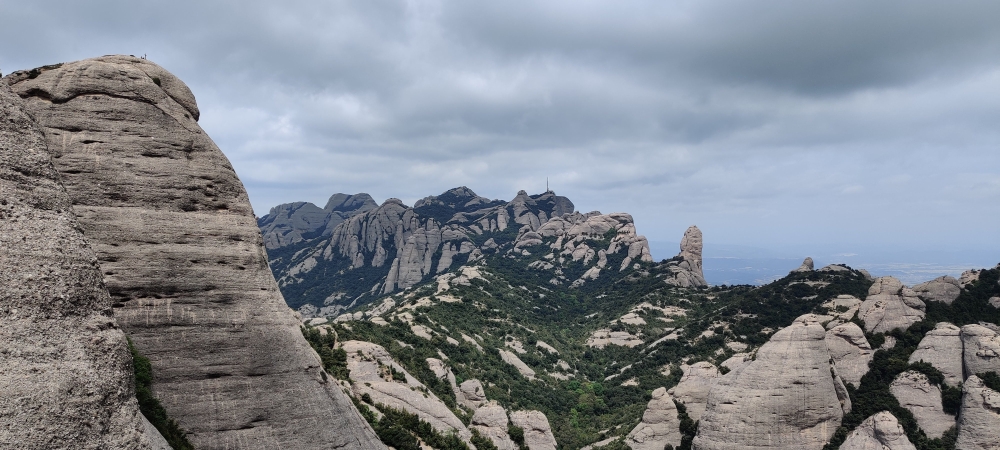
[834, 125]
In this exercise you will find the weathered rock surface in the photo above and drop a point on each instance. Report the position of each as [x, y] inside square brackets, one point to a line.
[982, 350]
[770, 404]
[604, 337]
[183, 259]
[995, 302]
[850, 351]
[942, 348]
[291, 223]
[471, 394]
[923, 399]
[942, 289]
[879, 432]
[890, 306]
[979, 418]
[370, 374]
[687, 271]
[537, 432]
[807, 265]
[512, 359]
[491, 421]
[843, 308]
[693, 389]
[660, 425]
[65, 372]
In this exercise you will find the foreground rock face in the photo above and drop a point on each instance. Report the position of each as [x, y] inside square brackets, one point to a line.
[916, 393]
[879, 432]
[942, 348]
[183, 258]
[65, 371]
[850, 351]
[770, 404]
[660, 425]
[537, 432]
[693, 389]
[982, 349]
[943, 289]
[979, 418]
[890, 306]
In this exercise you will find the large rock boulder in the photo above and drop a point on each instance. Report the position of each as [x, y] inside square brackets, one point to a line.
[471, 394]
[65, 371]
[771, 404]
[942, 289]
[183, 260]
[982, 350]
[686, 267]
[491, 421]
[660, 425]
[807, 266]
[890, 306]
[979, 419]
[942, 348]
[537, 432]
[693, 389]
[850, 351]
[879, 432]
[916, 393]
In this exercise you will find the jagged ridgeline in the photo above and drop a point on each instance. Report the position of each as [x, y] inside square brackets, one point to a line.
[351, 252]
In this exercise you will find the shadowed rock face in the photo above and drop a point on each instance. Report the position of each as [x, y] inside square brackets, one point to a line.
[65, 371]
[183, 258]
[772, 404]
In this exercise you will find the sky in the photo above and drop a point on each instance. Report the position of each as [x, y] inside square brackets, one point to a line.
[850, 131]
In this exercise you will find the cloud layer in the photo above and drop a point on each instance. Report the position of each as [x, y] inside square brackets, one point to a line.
[777, 123]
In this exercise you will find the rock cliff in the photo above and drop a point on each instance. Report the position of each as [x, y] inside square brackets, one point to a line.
[850, 351]
[291, 223]
[65, 370]
[660, 425]
[879, 432]
[890, 306]
[943, 289]
[770, 404]
[693, 389]
[979, 419]
[981, 350]
[686, 266]
[491, 421]
[916, 393]
[183, 259]
[942, 348]
[537, 432]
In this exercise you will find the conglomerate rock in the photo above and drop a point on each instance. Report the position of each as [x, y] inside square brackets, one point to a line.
[693, 389]
[183, 260]
[889, 306]
[916, 393]
[659, 426]
[772, 404]
[942, 289]
[537, 432]
[687, 271]
[850, 351]
[65, 371]
[942, 348]
[491, 421]
[291, 223]
[981, 349]
[979, 419]
[879, 432]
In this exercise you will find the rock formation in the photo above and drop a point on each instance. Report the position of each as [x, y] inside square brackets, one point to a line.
[942, 348]
[923, 399]
[850, 351]
[491, 421]
[660, 425]
[291, 223]
[879, 432]
[65, 370]
[807, 266]
[471, 394]
[183, 259]
[979, 418]
[771, 404]
[693, 389]
[982, 350]
[537, 432]
[942, 289]
[687, 268]
[890, 306]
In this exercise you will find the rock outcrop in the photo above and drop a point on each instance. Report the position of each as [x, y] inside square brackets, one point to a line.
[979, 418]
[942, 348]
[693, 389]
[982, 350]
[942, 289]
[183, 260]
[537, 432]
[850, 351]
[291, 223]
[807, 266]
[771, 404]
[890, 306]
[879, 432]
[491, 421]
[660, 425]
[65, 371]
[916, 393]
[471, 394]
[686, 267]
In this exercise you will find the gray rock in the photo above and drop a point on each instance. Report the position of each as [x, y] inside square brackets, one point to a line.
[183, 258]
[659, 426]
[942, 348]
[879, 432]
[156, 440]
[968, 277]
[537, 432]
[693, 389]
[942, 289]
[850, 351]
[771, 404]
[807, 266]
[890, 306]
[471, 394]
[291, 223]
[65, 370]
[979, 418]
[981, 350]
[995, 302]
[923, 399]
[686, 267]
[491, 421]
